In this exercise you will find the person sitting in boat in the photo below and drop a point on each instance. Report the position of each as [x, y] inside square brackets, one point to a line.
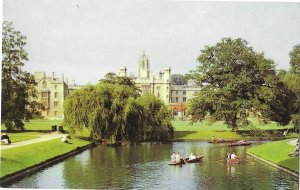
[220, 139]
[192, 156]
[212, 138]
[177, 157]
[173, 157]
[241, 141]
[233, 156]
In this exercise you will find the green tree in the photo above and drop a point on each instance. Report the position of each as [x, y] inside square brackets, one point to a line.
[18, 86]
[236, 81]
[292, 80]
[295, 59]
[117, 112]
[178, 79]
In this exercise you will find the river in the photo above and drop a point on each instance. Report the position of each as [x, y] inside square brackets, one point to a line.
[145, 166]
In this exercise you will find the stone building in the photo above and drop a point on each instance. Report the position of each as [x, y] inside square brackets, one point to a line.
[175, 96]
[51, 93]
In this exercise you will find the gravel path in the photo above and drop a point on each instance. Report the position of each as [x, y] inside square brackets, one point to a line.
[41, 138]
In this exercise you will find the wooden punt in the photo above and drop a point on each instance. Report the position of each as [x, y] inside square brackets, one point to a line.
[197, 159]
[223, 141]
[233, 161]
[177, 163]
[240, 144]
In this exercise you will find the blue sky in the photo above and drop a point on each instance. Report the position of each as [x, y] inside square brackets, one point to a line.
[84, 39]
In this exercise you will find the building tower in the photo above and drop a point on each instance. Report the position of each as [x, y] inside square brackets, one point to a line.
[144, 67]
[123, 71]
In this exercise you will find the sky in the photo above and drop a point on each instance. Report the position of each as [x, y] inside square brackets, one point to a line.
[85, 39]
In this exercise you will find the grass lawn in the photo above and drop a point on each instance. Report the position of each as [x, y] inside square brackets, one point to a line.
[17, 137]
[277, 152]
[204, 131]
[39, 124]
[205, 135]
[19, 158]
[220, 126]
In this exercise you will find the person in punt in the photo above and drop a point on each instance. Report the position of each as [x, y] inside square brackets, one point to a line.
[233, 156]
[173, 157]
[192, 156]
[177, 158]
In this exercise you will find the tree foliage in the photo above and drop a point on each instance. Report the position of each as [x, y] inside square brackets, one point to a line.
[117, 111]
[178, 79]
[236, 80]
[292, 80]
[18, 86]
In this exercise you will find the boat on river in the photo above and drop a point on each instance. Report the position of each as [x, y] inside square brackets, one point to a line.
[233, 161]
[182, 161]
[197, 159]
[223, 141]
[243, 143]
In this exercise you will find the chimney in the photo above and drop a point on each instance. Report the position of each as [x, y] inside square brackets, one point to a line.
[52, 75]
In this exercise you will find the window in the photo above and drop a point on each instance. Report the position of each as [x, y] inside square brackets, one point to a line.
[44, 85]
[55, 87]
[176, 92]
[55, 103]
[184, 99]
[55, 94]
[44, 94]
[55, 113]
[184, 92]
[175, 112]
[176, 99]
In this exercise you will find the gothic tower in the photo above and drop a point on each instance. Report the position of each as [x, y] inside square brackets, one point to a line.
[144, 67]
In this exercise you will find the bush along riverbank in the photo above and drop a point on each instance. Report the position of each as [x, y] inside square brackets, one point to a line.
[277, 153]
[16, 160]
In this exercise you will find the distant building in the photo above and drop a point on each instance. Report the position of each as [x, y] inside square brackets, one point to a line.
[51, 93]
[160, 85]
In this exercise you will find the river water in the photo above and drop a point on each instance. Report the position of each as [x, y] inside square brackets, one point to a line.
[145, 166]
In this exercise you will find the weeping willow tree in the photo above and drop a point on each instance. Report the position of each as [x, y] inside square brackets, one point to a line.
[117, 111]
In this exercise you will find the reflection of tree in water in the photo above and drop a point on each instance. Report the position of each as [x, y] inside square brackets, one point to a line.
[113, 167]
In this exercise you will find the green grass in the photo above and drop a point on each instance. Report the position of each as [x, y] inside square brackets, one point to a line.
[205, 135]
[277, 152]
[15, 159]
[204, 131]
[220, 126]
[39, 124]
[17, 137]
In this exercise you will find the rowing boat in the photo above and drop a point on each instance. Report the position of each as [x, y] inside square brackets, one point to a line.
[233, 161]
[240, 144]
[197, 159]
[223, 141]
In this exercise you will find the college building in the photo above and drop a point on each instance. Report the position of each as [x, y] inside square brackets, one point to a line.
[52, 91]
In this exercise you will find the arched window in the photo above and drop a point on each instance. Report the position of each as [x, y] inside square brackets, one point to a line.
[44, 85]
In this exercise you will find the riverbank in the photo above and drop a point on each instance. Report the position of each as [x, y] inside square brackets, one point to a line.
[277, 153]
[20, 158]
[204, 131]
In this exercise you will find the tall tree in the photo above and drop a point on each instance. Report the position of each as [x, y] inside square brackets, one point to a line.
[236, 80]
[114, 111]
[18, 86]
[292, 80]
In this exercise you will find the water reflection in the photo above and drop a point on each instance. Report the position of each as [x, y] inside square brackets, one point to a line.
[146, 166]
